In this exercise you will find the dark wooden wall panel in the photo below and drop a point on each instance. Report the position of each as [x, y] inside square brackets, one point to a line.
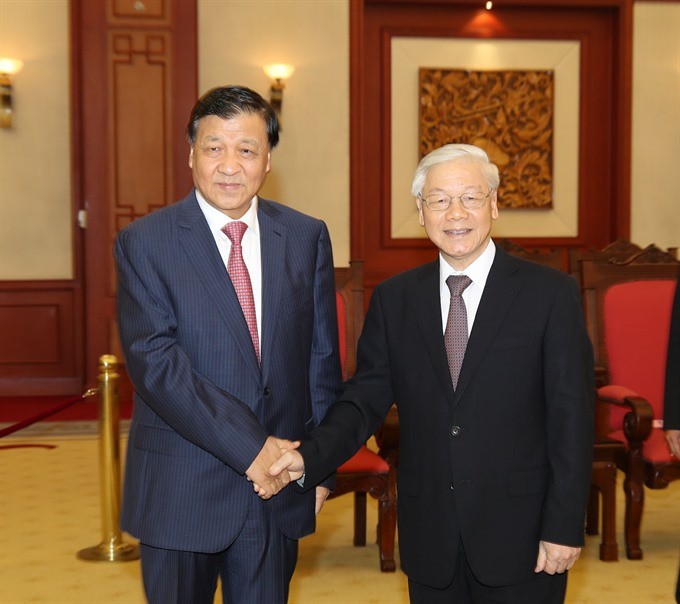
[41, 344]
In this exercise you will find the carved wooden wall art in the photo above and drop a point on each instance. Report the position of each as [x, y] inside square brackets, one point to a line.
[507, 113]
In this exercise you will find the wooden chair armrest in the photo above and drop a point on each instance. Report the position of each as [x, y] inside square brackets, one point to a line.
[637, 423]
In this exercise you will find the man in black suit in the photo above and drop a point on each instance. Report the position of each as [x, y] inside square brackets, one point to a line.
[671, 402]
[494, 471]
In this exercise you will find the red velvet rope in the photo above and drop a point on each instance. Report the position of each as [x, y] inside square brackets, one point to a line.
[43, 414]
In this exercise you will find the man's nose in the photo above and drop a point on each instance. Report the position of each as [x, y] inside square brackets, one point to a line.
[456, 210]
[230, 164]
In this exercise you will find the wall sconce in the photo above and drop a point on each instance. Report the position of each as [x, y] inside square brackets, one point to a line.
[8, 67]
[278, 74]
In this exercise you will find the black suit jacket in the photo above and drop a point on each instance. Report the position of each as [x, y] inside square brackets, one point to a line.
[503, 462]
[671, 404]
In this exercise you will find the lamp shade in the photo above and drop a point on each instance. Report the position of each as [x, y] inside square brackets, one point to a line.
[10, 66]
[279, 71]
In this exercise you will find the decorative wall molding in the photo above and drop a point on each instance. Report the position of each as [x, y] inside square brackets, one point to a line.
[41, 348]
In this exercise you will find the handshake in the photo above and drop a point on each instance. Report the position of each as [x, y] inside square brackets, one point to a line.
[276, 465]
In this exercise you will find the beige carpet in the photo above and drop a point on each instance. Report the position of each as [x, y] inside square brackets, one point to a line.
[49, 510]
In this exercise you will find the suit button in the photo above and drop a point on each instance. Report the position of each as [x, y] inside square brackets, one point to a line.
[451, 486]
[455, 430]
[266, 391]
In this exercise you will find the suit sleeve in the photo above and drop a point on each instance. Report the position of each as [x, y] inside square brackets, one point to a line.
[363, 404]
[162, 373]
[570, 397]
[324, 369]
[324, 366]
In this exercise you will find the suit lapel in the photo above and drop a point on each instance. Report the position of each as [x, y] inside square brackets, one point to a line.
[500, 290]
[427, 308]
[198, 243]
[272, 242]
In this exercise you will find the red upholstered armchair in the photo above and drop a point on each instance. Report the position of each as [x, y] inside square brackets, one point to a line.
[627, 304]
[367, 471]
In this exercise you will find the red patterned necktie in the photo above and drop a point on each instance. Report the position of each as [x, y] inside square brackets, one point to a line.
[238, 273]
[456, 333]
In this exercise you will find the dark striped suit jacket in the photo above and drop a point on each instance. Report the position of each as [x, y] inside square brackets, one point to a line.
[203, 408]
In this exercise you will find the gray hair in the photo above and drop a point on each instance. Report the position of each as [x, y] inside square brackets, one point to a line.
[455, 152]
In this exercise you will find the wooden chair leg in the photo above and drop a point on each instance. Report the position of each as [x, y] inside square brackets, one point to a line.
[635, 499]
[359, 518]
[604, 480]
[593, 511]
[387, 525]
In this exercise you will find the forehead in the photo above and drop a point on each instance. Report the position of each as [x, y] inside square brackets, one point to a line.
[244, 126]
[456, 174]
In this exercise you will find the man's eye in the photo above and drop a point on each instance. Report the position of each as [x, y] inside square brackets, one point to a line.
[468, 197]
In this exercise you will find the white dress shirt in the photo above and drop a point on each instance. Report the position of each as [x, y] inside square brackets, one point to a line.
[250, 244]
[478, 272]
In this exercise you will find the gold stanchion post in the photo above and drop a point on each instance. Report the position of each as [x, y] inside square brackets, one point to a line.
[112, 548]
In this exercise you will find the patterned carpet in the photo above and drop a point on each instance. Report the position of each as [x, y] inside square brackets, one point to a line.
[49, 510]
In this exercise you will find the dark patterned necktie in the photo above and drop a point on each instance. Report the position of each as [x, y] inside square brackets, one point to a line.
[456, 333]
[238, 273]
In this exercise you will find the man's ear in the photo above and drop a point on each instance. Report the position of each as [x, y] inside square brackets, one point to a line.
[191, 156]
[494, 205]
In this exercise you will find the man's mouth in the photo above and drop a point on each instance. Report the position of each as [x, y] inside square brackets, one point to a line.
[457, 232]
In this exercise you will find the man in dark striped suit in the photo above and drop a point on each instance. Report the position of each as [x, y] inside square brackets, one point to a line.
[227, 339]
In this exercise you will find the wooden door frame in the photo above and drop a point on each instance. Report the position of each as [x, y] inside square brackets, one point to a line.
[613, 218]
[92, 144]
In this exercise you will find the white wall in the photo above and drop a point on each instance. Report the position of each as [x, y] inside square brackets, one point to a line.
[35, 156]
[655, 182]
[310, 167]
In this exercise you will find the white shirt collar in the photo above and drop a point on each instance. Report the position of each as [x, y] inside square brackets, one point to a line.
[478, 271]
[217, 220]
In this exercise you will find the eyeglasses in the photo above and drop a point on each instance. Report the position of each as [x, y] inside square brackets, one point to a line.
[438, 202]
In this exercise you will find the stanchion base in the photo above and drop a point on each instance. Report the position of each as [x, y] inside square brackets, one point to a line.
[105, 552]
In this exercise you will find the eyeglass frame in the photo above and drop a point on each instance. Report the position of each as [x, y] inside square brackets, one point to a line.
[459, 198]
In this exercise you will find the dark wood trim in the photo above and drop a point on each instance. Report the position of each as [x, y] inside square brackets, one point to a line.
[42, 347]
[77, 188]
[623, 137]
[605, 126]
[185, 72]
[105, 135]
[357, 160]
[39, 386]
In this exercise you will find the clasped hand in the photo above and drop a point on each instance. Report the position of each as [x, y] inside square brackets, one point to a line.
[275, 466]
